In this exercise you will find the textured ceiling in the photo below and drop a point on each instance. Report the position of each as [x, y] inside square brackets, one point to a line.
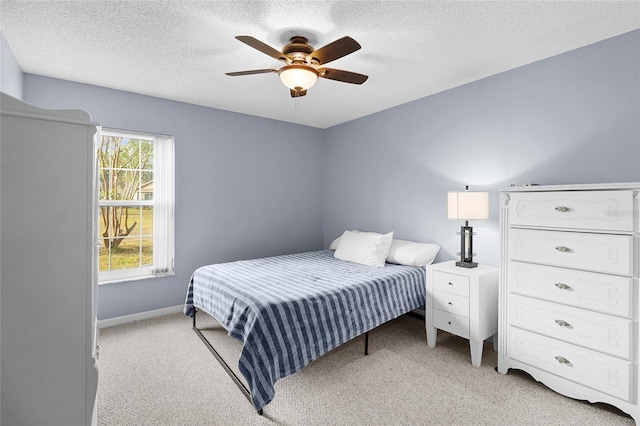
[181, 50]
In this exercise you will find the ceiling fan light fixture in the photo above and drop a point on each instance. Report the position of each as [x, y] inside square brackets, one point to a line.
[298, 77]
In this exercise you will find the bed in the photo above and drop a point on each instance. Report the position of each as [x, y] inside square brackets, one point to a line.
[289, 310]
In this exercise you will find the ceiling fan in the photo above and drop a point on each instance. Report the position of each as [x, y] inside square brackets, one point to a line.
[304, 63]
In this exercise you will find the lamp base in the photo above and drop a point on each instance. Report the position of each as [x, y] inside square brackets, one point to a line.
[466, 247]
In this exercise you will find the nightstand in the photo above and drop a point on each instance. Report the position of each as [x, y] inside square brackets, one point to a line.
[464, 302]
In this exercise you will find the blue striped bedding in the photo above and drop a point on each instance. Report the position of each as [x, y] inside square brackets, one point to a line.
[289, 310]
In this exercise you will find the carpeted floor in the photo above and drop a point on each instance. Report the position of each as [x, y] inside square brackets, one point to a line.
[158, 372]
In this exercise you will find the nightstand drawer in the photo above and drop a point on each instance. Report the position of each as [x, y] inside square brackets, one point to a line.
[452, 303]
[601, 210]
[451, 283]
[451, 323]
[586, 367]
[577, 250]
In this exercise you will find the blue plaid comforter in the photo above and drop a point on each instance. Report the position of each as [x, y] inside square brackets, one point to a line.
[289, 310]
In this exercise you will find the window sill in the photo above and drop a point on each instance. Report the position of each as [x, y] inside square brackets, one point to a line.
[134, 278]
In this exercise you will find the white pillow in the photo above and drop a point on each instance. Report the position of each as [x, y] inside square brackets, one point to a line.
[411, 253]
[367, 248]
[334, 243]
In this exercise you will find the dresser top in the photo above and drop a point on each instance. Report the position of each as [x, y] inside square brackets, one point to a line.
[574, 187]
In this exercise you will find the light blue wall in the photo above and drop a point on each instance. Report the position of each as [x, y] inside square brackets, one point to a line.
[244, 186]
[11, 74]
[573, 118]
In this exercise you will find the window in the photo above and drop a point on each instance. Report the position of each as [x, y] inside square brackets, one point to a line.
[135, 229]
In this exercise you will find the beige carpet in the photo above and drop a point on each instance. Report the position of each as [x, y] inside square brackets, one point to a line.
[158, 372]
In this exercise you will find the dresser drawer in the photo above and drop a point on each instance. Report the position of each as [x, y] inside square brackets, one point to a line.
[597, 210]
[609, 294]
[601, 332]
[591, 252]
[451, 323]
[452, 303]
[452, 283]
[606, 373]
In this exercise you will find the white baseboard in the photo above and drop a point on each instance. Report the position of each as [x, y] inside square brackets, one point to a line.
[110, 322]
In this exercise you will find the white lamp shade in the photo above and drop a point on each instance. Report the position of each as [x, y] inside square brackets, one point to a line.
[298, 77]
[468, 205]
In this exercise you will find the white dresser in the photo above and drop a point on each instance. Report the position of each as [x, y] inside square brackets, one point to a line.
[568, 296]
[48, 266]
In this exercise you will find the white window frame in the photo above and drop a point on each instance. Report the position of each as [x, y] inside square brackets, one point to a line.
[163, 209]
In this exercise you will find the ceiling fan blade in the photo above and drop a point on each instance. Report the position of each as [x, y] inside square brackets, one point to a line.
[343, 76]
[334, 50]
[263, 47]
[298, 93]
[265, 71]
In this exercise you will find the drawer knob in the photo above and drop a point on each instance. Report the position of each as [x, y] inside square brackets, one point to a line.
[563, 249]
[450, 304]
[563, 209]
[562, 360]
[562, 323]
[563, 286]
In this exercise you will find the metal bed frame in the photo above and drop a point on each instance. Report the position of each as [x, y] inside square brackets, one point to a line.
[246, 392]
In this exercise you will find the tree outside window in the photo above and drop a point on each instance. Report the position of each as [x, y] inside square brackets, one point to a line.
[128, 220]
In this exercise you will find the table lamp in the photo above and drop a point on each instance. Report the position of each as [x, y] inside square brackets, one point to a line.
[467, 205]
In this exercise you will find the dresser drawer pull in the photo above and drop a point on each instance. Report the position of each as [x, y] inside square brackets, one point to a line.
[562, 360]
[450, 304]
[563, 286]
[563, 209]
[562, 323]
[563, 249]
